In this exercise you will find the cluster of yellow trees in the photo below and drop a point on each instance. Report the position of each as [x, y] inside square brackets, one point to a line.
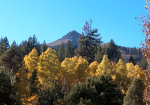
[77, 69]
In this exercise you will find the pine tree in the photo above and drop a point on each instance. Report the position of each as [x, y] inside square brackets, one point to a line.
[131, 59]
[113, 52]
[99, 54]
[74, 50]
[8, 90]
[32, 43]
[33, 83]
[68, 50]
[4, 45]
[105, 67]
[143, 63]
[43, 47]
[11, 58]
[88, 42]
[61, 53]
[95, 91]
[23, 48]
[22, 84]
[135, 92]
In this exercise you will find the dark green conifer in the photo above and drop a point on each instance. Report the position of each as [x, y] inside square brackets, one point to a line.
[4, 45]
[68, 50]
[134, 95]
[95, 91]
[99, 54]
[61, 52]
[43, 46]
[113, 52]
[143, 63]
[11, 58]
[88, 42]
[131, 59]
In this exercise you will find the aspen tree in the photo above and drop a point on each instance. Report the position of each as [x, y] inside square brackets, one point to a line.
[105, 67]
[120, 77]
[92, 68]
[48, 67]
[81, 69]
[31, 61]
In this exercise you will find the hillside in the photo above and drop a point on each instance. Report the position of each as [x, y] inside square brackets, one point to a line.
[74, 36]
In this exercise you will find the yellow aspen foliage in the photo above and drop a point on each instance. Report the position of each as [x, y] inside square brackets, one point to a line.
[74, 70]
[81, 69]
[92, 68]
[33, 100]
[75, 60]
[120, 76]
[68, 71]
[138, 73]
[48, 67]
[31, 61]
[130, 69]
[105, 67]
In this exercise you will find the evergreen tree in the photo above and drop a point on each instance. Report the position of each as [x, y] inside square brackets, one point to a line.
[22, 84]
[60, 53]
[11, 58]
[23, 48]
[14, 44]
[27, 46]
[134, 96]
[32, 42]
[99, 54]
[68, 50]
[75, 50]
[43, 47]
[143, 63]
[113, 52]
[8, 93]
[131, 59]
[88, 42]
[4, 45]
[33, 83]
[95, 91]
[50, 96]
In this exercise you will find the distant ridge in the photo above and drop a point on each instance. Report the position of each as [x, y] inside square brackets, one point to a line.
[72, 36]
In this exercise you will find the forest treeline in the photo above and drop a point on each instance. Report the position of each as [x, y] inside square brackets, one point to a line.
[33, 74]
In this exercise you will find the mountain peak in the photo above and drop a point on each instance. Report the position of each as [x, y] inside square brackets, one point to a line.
[73, 36]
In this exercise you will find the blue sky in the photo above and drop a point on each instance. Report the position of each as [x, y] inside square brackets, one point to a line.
[49, 20]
